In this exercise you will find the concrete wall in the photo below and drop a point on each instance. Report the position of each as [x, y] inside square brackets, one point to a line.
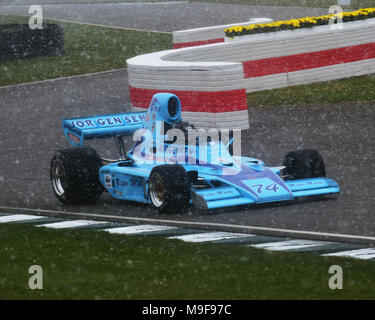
[212, 80]
[207, 35]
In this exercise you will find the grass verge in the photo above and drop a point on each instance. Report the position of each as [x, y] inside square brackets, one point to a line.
[84, 264]
[87, 49]
[345, 90]
[94, 49]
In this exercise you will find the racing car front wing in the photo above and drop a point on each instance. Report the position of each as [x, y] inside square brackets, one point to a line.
[231, 196]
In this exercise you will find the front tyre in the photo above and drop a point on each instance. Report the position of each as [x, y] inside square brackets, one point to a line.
[169, 188]
[74, 175]
[303, 164]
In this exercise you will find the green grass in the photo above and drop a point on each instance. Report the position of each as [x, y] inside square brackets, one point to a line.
[87, 49]
[93, 49]
[358, 89]
[295, 3]
[84, 264]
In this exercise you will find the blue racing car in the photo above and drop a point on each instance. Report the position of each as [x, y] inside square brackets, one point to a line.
[170, 168]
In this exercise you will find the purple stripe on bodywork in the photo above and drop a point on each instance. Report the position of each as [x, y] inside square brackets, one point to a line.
[246, 173]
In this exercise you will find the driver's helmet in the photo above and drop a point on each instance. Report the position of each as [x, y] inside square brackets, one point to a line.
[184, 127]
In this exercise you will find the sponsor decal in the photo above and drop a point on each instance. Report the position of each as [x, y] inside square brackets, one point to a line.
[121, 183]
[108, 121]
[134, 182]
[108, 181]
[134, 119]
[128, 182]
[308, 183]
[218, 193]
[83, 123]
[74, 138]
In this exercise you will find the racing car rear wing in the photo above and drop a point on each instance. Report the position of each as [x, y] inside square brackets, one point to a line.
[77, 130]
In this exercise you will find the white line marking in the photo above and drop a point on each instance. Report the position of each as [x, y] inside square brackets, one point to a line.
[285, 232]
[98, 25]
[138, 229]
[62, 78]
[19, 217]
[107, 26]
[288, 245]
[365, 254]
[71, 224]
[210, 236]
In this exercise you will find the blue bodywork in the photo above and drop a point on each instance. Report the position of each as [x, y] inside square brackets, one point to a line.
[223, 180]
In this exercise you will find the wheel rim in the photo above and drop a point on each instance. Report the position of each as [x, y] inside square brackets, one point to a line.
[58, 177]
[157, 190]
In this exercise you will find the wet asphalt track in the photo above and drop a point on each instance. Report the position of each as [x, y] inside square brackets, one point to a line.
[30, 132]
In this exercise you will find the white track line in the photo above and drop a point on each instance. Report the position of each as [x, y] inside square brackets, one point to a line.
[365, 254]
[71, 224]
[19, 217]
[289, 245]
[139, 229]
[240, 228]
[63, 78]
[107, 26]
[210, 236]
[97, 25]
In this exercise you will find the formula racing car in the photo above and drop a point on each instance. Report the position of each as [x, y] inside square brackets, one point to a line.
[170, 171]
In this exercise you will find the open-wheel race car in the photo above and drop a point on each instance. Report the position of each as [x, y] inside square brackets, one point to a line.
[171, 174]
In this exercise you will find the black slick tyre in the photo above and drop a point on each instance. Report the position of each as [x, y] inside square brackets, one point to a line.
[303, 164]
[169, 188]
[74, 175]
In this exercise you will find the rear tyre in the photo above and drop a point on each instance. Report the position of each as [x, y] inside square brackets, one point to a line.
[303, 164]
[74, 175]
[169, 188]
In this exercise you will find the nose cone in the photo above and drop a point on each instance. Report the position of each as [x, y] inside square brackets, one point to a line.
[268, 190]
[259, 183]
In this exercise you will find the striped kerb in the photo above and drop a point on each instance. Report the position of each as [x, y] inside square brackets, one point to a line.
[196, 101]
[311, 60]
[196, 43]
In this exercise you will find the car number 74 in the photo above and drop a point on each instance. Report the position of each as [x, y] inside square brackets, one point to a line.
[260, 187]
